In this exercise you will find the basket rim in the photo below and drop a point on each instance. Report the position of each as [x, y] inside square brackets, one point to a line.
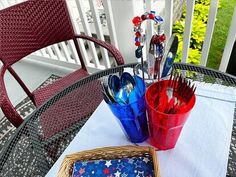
[68, 161]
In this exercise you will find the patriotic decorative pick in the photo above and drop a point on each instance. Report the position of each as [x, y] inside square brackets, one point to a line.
[157, 40]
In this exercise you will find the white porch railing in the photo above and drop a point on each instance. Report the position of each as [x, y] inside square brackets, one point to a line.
[116, 26]
[229, 43]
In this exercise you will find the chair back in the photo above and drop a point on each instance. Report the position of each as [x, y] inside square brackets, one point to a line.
[32, 25]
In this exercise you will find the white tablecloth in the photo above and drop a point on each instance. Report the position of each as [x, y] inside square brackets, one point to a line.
[203, 146]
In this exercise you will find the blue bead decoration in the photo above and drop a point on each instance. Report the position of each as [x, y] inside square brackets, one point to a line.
[158, 19]
[153, 12]
[138, 52]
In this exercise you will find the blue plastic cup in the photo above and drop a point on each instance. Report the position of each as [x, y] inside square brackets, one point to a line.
[133, 120]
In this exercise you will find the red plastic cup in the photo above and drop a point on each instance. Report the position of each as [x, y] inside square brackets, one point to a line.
[164, 129]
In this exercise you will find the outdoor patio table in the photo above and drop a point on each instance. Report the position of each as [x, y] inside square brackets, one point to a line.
[33, 150]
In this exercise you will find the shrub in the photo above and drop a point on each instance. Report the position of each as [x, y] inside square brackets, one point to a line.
[198, 31]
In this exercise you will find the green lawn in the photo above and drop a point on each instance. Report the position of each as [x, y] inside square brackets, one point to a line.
[224, 17]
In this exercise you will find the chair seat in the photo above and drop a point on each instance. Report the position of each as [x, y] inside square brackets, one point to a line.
[43, 94]
[71, 108]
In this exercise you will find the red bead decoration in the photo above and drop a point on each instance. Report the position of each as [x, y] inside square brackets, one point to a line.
[151, 16]
[162, 38]
[137, 34]
[137, 20]
[137, 43]
[157, 39]
[143, 17]
[154, 39]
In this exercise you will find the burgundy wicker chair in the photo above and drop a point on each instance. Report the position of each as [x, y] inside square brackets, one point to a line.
[32, 25]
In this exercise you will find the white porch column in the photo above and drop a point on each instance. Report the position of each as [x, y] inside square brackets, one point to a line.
[168, 19]
[123, 13]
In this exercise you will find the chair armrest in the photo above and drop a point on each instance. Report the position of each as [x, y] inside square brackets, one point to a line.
[5, 103]
[112, 49]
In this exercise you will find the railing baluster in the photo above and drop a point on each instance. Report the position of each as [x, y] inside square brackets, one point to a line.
[77, 31]
[1, 5]
[99, 31]
[209, 31]
[9, 3]
[43, 51]
[6, 3]
[168, 18]
[14, 1]
[71, 45]
[229, 44]
[87, 32]
[65, 51]
[37, 53]
[50, 52]
[57, 51]
[187, 29]
[110, 22]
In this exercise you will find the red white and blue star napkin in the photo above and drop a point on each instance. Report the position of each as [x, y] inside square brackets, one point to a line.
[126, 167]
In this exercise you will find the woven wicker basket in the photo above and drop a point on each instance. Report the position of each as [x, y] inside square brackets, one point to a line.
[107, 153]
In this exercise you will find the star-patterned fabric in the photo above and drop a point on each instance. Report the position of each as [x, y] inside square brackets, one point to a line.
[126, 167]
